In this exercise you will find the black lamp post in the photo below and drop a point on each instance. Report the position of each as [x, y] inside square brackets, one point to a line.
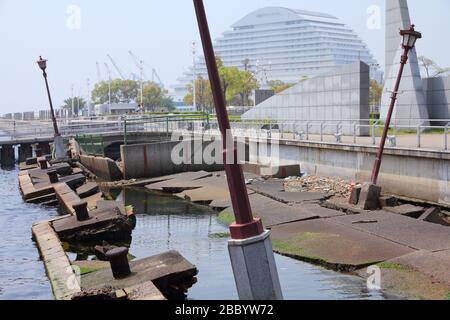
[43, 65]
[410, 37]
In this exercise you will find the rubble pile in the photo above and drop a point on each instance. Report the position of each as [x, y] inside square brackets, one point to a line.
[330, 186]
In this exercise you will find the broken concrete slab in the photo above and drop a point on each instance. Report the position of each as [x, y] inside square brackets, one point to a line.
[434, 264]
[369, 198]
[102, 225]
[433, 215]
[87, 189]
[179, 182]
[332, 245]
[406, 210]
[67, 197]
[171, 273]
[400, 229]
[274, 213]
[275, 190]
[388, 201]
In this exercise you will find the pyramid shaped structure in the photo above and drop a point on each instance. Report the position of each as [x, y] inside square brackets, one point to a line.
[411, 104]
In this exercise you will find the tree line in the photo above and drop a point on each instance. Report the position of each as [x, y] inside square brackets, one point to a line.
[125, 91]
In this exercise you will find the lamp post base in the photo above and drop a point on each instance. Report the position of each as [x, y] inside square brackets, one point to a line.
[254, 268]
[59, 150]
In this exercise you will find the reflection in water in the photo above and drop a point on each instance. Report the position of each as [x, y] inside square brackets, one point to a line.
[166, 223]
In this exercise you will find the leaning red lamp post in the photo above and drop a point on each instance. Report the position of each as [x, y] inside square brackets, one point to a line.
[250, 249]
[58, 143]
[410, 37]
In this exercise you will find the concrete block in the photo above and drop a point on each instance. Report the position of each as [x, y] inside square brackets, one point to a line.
[369, 198]
[433, 215]
[406, 210]
[388, 201]
[355, 194]
[254, 268]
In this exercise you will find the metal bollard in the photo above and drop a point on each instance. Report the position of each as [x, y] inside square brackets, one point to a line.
[81, 211]
[53, 175]
[43, 164]
[118, 259]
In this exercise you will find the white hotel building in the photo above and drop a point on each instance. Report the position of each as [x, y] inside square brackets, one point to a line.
[285, 44]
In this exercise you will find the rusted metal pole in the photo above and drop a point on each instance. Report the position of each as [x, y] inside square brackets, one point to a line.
[245, 226]
[379, 157]
[55, 124]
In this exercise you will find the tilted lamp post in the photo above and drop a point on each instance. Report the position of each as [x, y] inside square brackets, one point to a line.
[58, 141]
[250, 249]
[410, 37]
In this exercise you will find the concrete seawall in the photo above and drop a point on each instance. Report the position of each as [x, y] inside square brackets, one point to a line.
[104, 168]
[155, 160]
[417, 174]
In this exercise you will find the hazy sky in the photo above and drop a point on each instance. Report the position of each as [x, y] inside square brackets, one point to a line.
[160, 32]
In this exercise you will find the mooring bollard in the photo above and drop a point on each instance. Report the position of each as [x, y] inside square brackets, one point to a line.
[81, 211]
[53, 175]
[43, 164]
[118, 258]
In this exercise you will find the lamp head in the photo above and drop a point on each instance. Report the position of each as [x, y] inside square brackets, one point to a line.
[410, 37]
[42, 63]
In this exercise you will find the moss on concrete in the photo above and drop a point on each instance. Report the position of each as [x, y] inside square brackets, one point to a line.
[226, 218]
[86, 270]
[392, 266]
[219, 235]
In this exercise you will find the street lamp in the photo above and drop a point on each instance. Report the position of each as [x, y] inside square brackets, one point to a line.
[410, 37]
[58, 141]
[250, 249]
[43, 65]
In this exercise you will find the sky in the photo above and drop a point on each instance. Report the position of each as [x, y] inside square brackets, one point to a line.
[73, 35]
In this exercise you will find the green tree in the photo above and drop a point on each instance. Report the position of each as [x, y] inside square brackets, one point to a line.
[278, 86]
[432, 69]
[78, 104]
[155, 97]
[203, 95]
[375, 93]
[122, 91]
[243, 84]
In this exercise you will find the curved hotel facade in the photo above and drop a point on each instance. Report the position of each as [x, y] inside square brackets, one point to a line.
[285, 44]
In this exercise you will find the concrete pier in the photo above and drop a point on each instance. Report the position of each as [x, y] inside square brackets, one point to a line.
[25, 152]
[8, 158]
[45, 147]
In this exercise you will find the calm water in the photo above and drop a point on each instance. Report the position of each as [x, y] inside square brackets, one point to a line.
[22, 274]
[164, 223]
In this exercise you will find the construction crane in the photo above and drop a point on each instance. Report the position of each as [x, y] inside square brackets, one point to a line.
[121, 74]
[155, 75]
[140, 66]
[99, 73]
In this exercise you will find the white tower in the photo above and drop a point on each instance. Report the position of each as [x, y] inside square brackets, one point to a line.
[411, 103]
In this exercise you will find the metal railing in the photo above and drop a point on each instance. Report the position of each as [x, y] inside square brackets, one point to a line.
[404, 133]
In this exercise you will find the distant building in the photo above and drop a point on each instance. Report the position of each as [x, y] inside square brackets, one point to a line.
[115, 109]
[285, 44]
[28, 115]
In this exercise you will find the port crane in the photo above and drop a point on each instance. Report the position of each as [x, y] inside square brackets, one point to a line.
[119, 71]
